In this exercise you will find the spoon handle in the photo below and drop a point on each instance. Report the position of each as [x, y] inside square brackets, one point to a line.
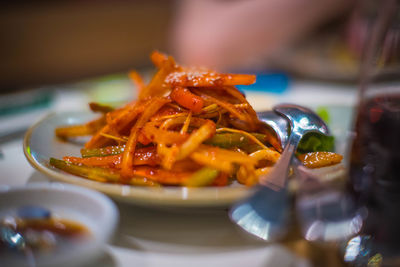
[277, 178]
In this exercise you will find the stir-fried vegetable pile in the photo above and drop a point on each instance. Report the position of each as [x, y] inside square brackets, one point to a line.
[188, 127]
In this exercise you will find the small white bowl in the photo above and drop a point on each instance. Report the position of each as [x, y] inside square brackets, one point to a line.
[90, 208]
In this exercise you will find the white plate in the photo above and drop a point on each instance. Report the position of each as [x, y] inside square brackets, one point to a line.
[40, 144]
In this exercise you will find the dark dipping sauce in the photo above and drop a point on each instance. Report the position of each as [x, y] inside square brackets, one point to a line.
[62, 227]
[44, 235]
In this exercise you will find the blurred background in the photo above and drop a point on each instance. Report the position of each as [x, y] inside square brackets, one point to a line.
[50, 42]
[53, 42]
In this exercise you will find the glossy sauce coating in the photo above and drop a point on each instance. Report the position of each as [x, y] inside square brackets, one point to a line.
[320, 159]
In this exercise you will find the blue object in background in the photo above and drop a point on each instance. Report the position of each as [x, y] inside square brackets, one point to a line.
[269, 83]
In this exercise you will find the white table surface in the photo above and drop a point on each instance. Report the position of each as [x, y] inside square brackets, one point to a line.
[151, 237]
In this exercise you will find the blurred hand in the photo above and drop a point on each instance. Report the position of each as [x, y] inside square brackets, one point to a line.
[226, 34]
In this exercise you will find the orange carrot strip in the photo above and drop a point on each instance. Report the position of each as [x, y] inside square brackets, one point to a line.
[137, 80]
[207, 79]
[80, 130]
[142, 138]
[210, 159]
[112, 161]
[98, 140]
[186, 124]
[220, 159]
[226, 154]
[156, 87]
[187, 99]
[166, 112]
[128, 115]
[116, 138]
[233, 91]
[194, 121]
[228, 106]
[158, 58]
[167, 154]
[196, 138]
[128, 155]
[143, 156]
[157, 135]
[125, 117]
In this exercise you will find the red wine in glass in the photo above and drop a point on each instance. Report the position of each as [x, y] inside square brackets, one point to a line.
[375, 164]
[374, 174]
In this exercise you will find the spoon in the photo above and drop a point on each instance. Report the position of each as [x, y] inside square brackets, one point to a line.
[278, 124]
[265, 214]
[12, 239]
[16, 242]
[325, 213]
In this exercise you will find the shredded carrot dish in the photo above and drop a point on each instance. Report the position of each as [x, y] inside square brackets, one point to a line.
[188, 127]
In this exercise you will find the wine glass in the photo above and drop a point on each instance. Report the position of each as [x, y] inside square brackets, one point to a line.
[374, 175]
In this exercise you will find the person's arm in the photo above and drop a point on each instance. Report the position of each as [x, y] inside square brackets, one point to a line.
[229, 34]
